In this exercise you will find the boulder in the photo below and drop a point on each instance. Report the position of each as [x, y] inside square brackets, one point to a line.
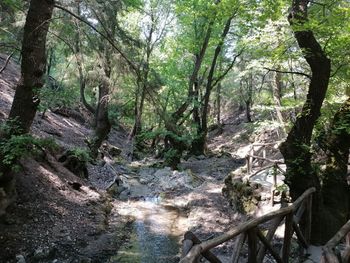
[243, 196]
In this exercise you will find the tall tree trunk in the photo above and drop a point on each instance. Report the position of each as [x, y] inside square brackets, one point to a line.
[335, 188]
[103, 125]
[296, 149]
[218, 105]
[200, 141]
[26, 99]
[138, 110]
[248, 105]
[171, 122]
[33, 66]
[79, 59]
[196, 144]
[276, 92]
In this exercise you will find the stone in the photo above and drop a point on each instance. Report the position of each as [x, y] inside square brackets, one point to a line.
[20, 259]
[41, 253]
[114, 151]
[201, 157]
[165, 172]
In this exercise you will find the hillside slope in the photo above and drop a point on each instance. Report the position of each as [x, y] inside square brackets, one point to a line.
[50, 219]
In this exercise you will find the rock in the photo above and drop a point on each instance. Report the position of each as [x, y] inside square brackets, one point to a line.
[124, 195]
[75, 185]
[143, 181]
[76, 162]
[201, 157]
[116, 190]
[165, 172]
[20, 259]
[41, 253]
[244, 196]
[114, 151]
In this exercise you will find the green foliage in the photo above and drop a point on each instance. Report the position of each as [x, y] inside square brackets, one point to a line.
[82, 154]
[19, 146]
[10, 127]
[171, 154]
[57, 96]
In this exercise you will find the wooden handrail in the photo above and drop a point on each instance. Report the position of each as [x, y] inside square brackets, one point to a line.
[328, 249]
[198, 249]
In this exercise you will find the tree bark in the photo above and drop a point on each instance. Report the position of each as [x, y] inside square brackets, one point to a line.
[199, 144]
[276, 92]
[296, 149]
[103, 125]
[248, 104]
[79, 59]
[33, 66]
[218, 104]
[26, 99]
[335, 188]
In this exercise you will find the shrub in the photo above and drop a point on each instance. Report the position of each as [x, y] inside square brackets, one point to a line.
[19, 146]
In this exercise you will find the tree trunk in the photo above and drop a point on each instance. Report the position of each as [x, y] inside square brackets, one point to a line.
[139, 103]
[79, 59]
[296, 149]
[197, 142]
[171, 123]
[202, 131]
[103, 125]
[276, 92]
[218, 105]
[248, 104]
[33, 66]
[26, 100]
[335, 188]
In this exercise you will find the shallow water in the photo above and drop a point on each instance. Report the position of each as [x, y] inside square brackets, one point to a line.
[156, 232]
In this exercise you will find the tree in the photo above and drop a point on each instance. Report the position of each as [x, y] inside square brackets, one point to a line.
[33, 68]
[330, 208]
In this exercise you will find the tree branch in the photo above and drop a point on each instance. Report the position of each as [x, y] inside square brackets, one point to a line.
[110, 41]
[289, 72]
[6, 62]
[219, 78]
[337, 70]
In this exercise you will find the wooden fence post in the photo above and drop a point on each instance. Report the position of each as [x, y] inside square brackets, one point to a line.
[308, 221]
[252, 245]
[288, 233]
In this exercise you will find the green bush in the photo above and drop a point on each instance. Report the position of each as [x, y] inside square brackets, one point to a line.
[19, 146]
[60, 97]
[82, 154]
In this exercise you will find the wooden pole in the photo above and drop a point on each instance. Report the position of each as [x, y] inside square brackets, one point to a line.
[238, 247]
[252, 245]
[288, 233]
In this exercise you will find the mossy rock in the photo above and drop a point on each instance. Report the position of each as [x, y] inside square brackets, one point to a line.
[243, 196]
[74, 163]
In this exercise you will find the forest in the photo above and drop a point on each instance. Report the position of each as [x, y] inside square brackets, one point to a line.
[174, 130]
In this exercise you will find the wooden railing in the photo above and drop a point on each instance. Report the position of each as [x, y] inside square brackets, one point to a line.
[256, 162]
[258, 243]
[256, 158]
[333, 255]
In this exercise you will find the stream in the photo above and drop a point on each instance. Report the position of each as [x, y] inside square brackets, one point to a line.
[156, 233]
